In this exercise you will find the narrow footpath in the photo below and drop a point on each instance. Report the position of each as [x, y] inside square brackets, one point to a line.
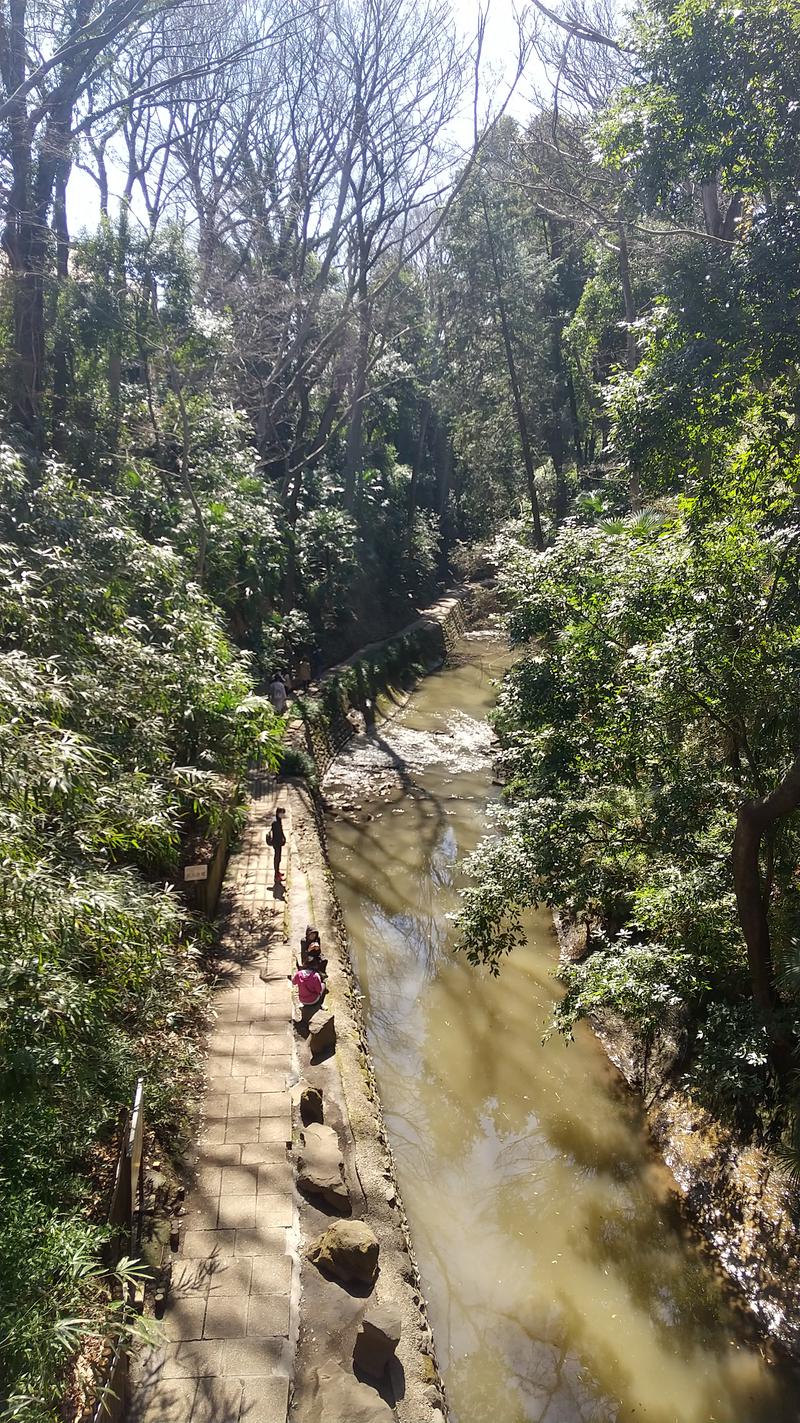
[229, 1318]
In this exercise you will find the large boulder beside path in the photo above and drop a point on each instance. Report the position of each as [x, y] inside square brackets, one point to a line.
[321, 1033]
[377, 1339]
[309, 1102]
[340, 1398]
[320, 1166]
[347, 1250]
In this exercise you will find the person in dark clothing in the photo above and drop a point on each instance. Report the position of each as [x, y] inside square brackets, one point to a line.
[315, 960]
[276, 837]
[311, 936]
[311, 951]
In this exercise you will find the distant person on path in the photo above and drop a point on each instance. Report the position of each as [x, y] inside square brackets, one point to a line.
[276, 837]
[303, 674]
[316, 662]
[277, 694]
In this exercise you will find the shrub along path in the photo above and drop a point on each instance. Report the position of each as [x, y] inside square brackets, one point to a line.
[229, 1317]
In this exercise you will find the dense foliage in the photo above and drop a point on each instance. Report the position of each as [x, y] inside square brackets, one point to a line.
[126, 718]
[297, 348]
[650, 728]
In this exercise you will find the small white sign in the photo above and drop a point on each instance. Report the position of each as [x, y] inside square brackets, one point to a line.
[193, 872]
[136, 1139]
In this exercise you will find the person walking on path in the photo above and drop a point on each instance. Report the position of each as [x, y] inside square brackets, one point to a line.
[303, 674]
[276, 837]
[277, 694]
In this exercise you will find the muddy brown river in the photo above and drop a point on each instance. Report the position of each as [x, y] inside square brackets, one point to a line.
[562, 1283]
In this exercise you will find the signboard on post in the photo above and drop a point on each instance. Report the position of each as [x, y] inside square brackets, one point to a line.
[195, 872]
[136, 1137]
[126, 1196]
[133, 1152]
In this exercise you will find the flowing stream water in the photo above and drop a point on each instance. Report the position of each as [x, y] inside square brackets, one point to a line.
[562, 1283]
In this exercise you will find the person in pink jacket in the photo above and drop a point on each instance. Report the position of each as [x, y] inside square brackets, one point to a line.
[309, 985]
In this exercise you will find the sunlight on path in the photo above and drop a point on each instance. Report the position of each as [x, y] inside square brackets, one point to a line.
[227, 1323]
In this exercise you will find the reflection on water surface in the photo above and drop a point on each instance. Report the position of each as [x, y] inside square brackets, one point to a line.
[562, 1284]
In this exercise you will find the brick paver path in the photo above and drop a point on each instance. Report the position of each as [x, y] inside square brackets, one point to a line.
[229, 1318]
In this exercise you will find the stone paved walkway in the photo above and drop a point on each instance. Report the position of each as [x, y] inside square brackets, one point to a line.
[230, 1318]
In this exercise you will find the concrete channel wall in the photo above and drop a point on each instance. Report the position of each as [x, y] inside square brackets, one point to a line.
[412, 1390]
[370, 684]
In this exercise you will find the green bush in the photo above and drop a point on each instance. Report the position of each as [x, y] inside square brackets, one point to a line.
[655, 691]
[126, 717]
[294, 761]
[642, 982]
[730, 1070]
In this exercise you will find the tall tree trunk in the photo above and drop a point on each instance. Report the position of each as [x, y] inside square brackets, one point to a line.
[561, 487]
[315, 446]
[185, 471]
[442, 457]
[27, 253]
[522, 424]
[631, 352]
[26, 239]
[353, 451]
[757, 818]
[61, 343]
[709, 192]
[732, 217]
[117, 280]
[631, 355]
[425, 416]
[561, 387]
[580, 454]
[445, 470]
[185, 458]
[292, 505]
[443, 461]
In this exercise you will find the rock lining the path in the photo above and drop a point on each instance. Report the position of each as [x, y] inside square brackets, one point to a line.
[340, 1398]
[320, 1166]
[377, 1339]
[322, 1033]
[349, 1251]
[309, 1102]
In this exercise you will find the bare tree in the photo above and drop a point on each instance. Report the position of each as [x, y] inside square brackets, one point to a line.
[38, 111]
[66, 73]
[405, 74]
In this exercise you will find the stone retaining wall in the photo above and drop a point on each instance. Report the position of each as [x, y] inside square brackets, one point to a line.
[329, 1321]
[414, 1387]
[202, 896]
[375, 679]
[733, 1190]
